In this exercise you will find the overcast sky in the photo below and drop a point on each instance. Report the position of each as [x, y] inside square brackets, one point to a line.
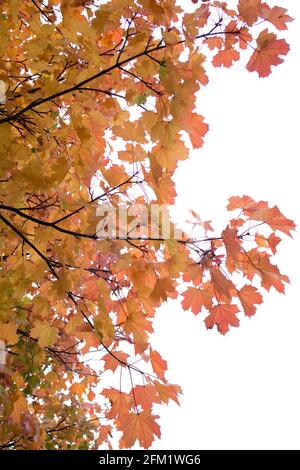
[241, 390]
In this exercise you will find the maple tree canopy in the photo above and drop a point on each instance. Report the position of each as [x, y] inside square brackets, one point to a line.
[97, 106]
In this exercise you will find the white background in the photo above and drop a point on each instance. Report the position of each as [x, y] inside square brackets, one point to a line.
[241, 391]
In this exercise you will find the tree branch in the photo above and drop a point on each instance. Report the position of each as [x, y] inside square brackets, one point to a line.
[101, 73]
[28, 242]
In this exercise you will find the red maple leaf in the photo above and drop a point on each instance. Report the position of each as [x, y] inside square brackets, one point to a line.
[267, 53]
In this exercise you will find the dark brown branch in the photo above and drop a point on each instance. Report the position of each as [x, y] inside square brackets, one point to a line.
[99, 90]
[28, 242]
[46, 16]
[126, 37]
[95, 199]
[140, 80]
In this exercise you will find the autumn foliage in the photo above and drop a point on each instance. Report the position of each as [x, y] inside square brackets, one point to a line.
[97, 107]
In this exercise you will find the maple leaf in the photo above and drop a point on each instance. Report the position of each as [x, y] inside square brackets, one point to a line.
[261, 211]
[197, 19]
[269, 273]
[261, 241]
[20, 407]
[273, 241]
[244, 38]
[276, 15]
[159, 365]
[214, 42]
[222, 285]
[120, 403]
[73, 324]
[162, 290]
[195, 299]
[142, 427]
[249, 296]
[112, 362]
[167, 392]
[237, 202]
[249, 10]
[222, 315]
[8, 333]
[138, 325]
[78, 388]
[104, 326]
[274, 218]
[146, 395]
[168, 156]
[232, 243]
[267, 53]
[45, 333]
[225, 58]
[171, 37]
[178, 263]
[196, 128]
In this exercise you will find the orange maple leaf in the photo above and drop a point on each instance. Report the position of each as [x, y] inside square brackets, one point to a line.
[244, 38]
[238, 202]
[261, 211]
[146, 395]
[138, 325]
[231, 242]
[276, 15]
[249, 10]
[269, 273]
[8, 333]
[214, 42]
[120, 402]
[162, 290]
[196, 298]
[196, 128]
[222, 315]
[249, 296]
[226, 57]
[112, 362]
[20, 407]
[142, 427]
[273, 241]
[223, 287]
[167, 392]
[274, 218]
[267, 53]
[159, 365]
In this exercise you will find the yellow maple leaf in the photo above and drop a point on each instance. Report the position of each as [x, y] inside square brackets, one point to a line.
[20, 407]
[8, 333]
[104, 326]
[45, 333]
